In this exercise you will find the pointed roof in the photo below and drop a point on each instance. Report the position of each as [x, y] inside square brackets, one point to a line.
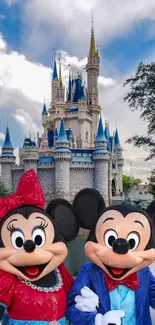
[107, 135]
[62, 137]
[117, 141]
[44, 111]
[60, 76]
[100, 137]
[92, 50]
[7, 142]
[69, 87]
[55, 74]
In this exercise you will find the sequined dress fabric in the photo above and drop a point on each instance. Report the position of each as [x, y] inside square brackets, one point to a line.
[26, 305]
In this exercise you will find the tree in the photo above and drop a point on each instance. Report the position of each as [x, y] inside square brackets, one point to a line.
[129, 182]
[4, 191]
[141, 96]
[151, 180]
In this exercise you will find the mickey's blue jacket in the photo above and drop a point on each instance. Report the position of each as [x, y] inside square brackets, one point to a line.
[93, 277]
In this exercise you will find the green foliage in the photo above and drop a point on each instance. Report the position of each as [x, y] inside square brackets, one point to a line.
[129, 183]
[141, 96]
[151, 180]
[4, 191]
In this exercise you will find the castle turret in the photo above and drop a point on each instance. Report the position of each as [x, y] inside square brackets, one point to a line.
[7, 160]
[30, 155]
[120, 161]
[55, 85]
[92, 69]
[62, 157]
[61, 88]
[44, 116]
[69, 87]
[101, 160]
[70, 137]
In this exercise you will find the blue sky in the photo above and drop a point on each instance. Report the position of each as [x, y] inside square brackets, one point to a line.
[29, 30]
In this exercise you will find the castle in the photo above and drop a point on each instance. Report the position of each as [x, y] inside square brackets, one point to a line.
[75, 150]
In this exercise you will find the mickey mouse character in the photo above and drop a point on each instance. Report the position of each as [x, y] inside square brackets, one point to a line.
[117, 287]
[33, 279]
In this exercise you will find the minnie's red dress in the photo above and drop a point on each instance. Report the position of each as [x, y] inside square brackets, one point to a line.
[31, 305]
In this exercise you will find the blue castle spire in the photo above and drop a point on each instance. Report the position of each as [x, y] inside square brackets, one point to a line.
[62, 137]
[117, 141]
[107, 135]
[69, 87]
[44, 111]
[55, 73]
[100, 137]
[7, 142]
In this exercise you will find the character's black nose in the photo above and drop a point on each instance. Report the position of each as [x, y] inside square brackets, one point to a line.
[29, 246]
[121, 246]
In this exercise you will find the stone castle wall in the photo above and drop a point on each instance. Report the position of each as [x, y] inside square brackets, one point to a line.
[47, 180]
[16, 174]
[80, 178]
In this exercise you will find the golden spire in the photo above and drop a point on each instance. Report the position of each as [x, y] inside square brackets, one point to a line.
[60, 75]
[92, 51]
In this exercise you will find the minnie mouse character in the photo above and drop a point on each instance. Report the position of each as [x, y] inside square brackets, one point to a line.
[117, 287]
[33, 279]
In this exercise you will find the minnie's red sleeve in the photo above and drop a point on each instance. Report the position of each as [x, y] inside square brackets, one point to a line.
[67, 277]
[7, 287]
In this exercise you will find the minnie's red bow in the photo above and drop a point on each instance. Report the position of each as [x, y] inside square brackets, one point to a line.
[29, 192]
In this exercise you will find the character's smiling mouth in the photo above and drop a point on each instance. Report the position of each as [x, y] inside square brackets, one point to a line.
[116, 272]
[32, 271]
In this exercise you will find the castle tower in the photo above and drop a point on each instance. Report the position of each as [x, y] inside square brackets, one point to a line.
[120, 161]
[107, 135]
[7, 160]
[93, 69]
[101, 161]
[55, 85]
[30, 156]
[44, 116]
[62, 157]
[61, 88]
[69, 94]
[55, 136]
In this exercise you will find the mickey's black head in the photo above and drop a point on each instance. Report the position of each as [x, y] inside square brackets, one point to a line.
[121, 239]
[34, 240]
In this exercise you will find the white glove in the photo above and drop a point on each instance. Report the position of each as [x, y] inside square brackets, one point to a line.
[112, 316]
[88, 301]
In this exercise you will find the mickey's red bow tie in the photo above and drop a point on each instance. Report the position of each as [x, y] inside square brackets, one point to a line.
[131, 281]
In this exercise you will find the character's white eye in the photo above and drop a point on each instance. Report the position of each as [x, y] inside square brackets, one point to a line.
[133, 239]
[17, 239]
[109, 237]
[39, 237]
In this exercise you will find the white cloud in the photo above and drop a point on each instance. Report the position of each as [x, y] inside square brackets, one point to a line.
[2, 136]
[68, 22]
[106, 81]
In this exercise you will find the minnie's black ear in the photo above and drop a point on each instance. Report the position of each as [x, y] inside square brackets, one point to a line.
[65, 217]
[88, 204]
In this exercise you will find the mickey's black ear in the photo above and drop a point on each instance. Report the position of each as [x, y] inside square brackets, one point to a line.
[65, 217]
[88, 204]
[151, 212]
